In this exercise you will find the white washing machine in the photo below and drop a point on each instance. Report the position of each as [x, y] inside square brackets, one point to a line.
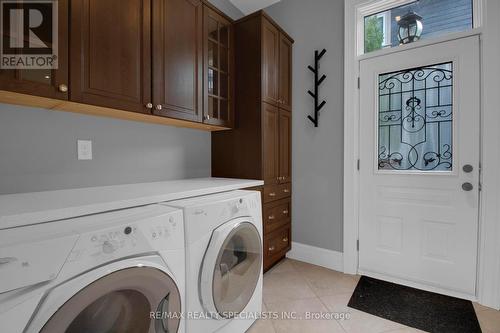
[223, 261]
[121, 271]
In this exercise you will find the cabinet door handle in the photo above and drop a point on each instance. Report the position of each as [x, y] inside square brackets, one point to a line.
[272, 194]
[286, 190]
[285, 211]
[63, 88]
[159, 107]
[271, 248]
[149, 105]
[285, 239]
[271, 217]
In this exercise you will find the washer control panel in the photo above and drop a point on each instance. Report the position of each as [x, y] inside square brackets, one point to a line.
[133, 236]
[110, 241]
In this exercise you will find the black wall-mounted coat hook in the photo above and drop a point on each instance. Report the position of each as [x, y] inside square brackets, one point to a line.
[317, 82]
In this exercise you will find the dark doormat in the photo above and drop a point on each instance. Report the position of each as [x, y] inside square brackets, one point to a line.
[416, 308]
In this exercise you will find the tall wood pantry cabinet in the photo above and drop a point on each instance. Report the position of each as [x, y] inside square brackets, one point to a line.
[259, 146]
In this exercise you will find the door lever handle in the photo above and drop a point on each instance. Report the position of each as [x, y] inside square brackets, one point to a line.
[467, 187]
[467, 168]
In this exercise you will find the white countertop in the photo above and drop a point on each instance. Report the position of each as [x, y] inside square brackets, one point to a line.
[37, 207]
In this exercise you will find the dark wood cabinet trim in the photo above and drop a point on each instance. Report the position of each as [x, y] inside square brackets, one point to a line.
[263, 14]
[218, 11]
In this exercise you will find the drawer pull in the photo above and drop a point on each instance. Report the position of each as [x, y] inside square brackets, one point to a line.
[271, 248]
[285, 212]
[285, 239]
[272, 194]
[286, 190]
[271, 217]
[63, 88]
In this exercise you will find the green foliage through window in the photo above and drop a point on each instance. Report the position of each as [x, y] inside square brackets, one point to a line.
[374, 34]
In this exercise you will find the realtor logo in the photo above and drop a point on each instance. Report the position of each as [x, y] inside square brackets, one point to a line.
[29, 34]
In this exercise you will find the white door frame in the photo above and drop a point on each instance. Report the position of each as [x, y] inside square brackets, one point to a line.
[487, 27]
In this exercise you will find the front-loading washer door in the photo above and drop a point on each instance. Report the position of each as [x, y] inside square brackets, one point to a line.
[131, 300]
[231, 268]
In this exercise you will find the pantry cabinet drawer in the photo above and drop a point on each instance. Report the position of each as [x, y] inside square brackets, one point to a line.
[276, 214]
[276, 192]
[276, 245]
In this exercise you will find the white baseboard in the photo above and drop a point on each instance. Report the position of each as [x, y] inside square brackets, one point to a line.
[317, 256]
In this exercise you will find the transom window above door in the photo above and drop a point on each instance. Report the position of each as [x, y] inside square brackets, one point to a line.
[436, 17]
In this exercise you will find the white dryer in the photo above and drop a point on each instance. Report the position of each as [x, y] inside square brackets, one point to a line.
[121, 271]
[223, 261]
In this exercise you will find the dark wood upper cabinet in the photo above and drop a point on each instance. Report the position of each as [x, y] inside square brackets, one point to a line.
[285, 73]
[270, 61]
[111, 53]
[167, 61]
[51, 83]
[218, 97]
[270, 143]
[178, 59]
[285, 146]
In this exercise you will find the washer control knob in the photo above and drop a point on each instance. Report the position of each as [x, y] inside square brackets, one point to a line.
[108, 247]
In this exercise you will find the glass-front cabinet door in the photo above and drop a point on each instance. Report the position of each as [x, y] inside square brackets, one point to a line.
[218, 81]
[35, 60]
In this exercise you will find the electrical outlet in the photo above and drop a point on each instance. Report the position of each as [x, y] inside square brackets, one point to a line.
[84, 150]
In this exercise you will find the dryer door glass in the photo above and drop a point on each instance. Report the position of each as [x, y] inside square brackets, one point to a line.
[237, 270]
[124, 302]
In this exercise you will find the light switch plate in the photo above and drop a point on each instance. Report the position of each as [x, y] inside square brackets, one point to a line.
[84, 150]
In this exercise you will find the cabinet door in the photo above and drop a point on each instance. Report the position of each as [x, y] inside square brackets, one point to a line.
[177, 58]
[111, 53]
[285, 73]
[50, 83]
[270, 142]
[284, 146]
[218, 69]
[270, 60]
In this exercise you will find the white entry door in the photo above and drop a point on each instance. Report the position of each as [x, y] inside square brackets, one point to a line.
[419, 174]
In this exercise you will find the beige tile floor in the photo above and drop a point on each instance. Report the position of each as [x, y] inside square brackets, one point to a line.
[296, 287]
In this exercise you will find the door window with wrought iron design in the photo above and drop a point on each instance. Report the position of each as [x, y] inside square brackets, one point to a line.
[415, 119]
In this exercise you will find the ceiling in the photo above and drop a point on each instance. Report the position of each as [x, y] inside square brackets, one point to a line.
[250, 6]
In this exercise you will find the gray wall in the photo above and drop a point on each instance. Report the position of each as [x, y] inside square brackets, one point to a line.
[38, 151]
[227, 7]
[317, 153]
